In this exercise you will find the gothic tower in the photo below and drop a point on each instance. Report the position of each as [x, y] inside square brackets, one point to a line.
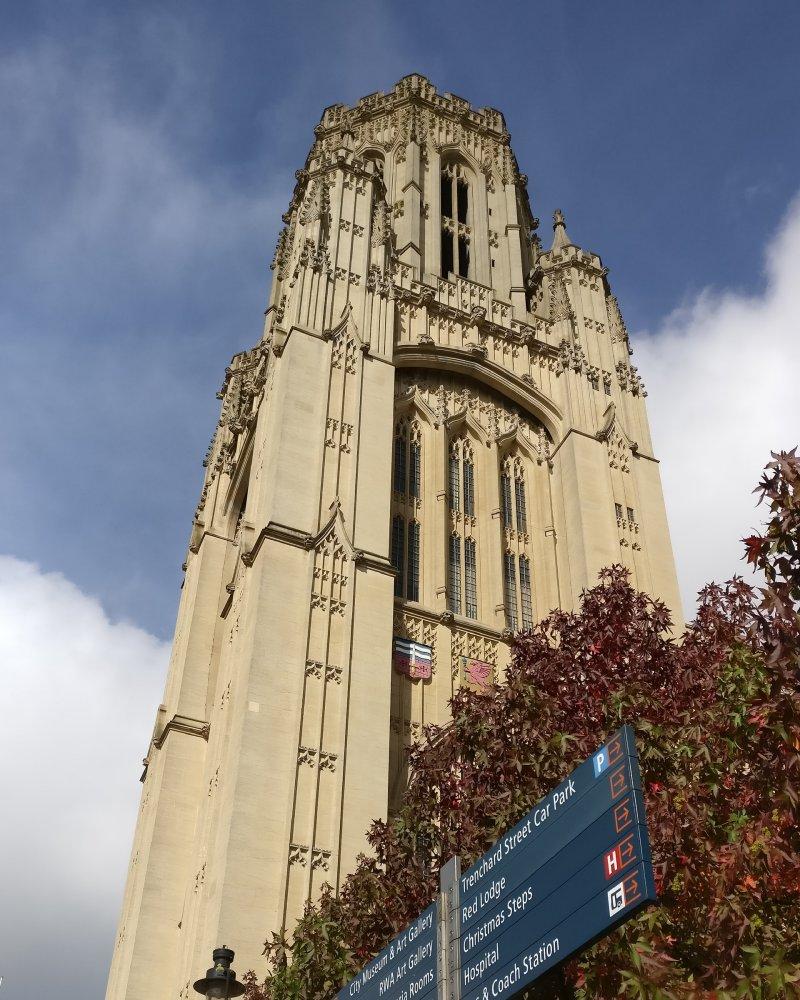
[438, 438]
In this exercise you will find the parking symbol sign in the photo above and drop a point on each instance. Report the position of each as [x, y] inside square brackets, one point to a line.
[616, 899]
[600, 762]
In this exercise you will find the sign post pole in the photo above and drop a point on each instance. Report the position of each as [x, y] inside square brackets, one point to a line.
[450, 930]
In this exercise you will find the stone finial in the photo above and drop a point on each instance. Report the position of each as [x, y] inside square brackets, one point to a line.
[560, 237]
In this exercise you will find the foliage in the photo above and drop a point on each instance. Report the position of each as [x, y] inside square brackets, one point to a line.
[717, 716]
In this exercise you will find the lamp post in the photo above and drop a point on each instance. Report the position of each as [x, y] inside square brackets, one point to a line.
[220, 980]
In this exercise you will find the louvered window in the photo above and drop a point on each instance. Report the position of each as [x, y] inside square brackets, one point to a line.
[455, 230]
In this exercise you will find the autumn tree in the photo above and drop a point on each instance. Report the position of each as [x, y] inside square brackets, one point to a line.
[717, 717]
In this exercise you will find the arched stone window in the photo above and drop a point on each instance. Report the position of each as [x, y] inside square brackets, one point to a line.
[407, 463]
[513, 499]
[456, 219]
[461, 477]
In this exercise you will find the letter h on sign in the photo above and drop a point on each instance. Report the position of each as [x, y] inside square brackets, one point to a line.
[612, 862]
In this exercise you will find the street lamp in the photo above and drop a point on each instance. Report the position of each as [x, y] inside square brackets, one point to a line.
[220, 980]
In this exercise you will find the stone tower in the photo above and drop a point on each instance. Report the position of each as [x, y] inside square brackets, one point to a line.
[438, 438]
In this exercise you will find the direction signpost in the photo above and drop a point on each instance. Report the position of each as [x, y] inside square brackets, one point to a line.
[406, 969]
[570, 871]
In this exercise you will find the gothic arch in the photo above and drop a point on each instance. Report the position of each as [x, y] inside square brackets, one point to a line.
[453, 360]
[410, 402]
[464, 421]
[515, 441]
[611, 422]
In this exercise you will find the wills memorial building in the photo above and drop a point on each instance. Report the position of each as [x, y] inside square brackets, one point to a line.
[438, 438]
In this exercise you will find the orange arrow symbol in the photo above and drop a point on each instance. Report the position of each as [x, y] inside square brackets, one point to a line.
[627, 849]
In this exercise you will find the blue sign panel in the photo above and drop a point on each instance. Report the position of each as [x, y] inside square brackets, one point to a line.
[571, 870]
[511, 870]
[576, 866]
[406, 969]
[599, 775]
[610, 845]
[500, 977]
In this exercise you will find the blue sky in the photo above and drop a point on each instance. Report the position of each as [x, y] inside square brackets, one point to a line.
[146, 153]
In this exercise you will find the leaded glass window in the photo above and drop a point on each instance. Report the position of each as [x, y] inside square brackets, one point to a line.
[525, 591]
[412, 582]
[398, 552]
[522, 514]
[454, 572]
[505, 499]
[470, 579]
[510, 584]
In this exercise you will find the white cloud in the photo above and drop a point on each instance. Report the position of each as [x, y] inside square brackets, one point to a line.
[79, 696]
[722, 374]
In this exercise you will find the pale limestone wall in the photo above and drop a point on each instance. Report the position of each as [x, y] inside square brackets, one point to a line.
[283, 729]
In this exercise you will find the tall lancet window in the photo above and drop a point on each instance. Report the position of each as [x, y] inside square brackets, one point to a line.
[510, 587]
[525, 591]
[462, 573]
[400, 459]
[412, 572]
[398, 554]
[513, 501]
[469, 482]
[406, 528]
[522, 513]
[505, 499]
[454, 575]
[470, 579]
[456, 221]
[517, 579]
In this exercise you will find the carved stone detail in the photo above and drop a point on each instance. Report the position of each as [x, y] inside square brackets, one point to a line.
[299, 854]
[313, 668]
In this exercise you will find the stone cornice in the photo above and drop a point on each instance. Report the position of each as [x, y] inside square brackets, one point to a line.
[451, 620]
[304, 540]
[594, 437]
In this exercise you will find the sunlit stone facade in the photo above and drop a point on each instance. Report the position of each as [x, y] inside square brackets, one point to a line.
[440, 436]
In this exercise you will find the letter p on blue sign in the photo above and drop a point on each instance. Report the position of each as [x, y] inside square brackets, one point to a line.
[600, 761]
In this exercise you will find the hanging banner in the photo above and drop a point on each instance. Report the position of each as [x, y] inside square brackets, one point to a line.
[476, 674]
[413, 659]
